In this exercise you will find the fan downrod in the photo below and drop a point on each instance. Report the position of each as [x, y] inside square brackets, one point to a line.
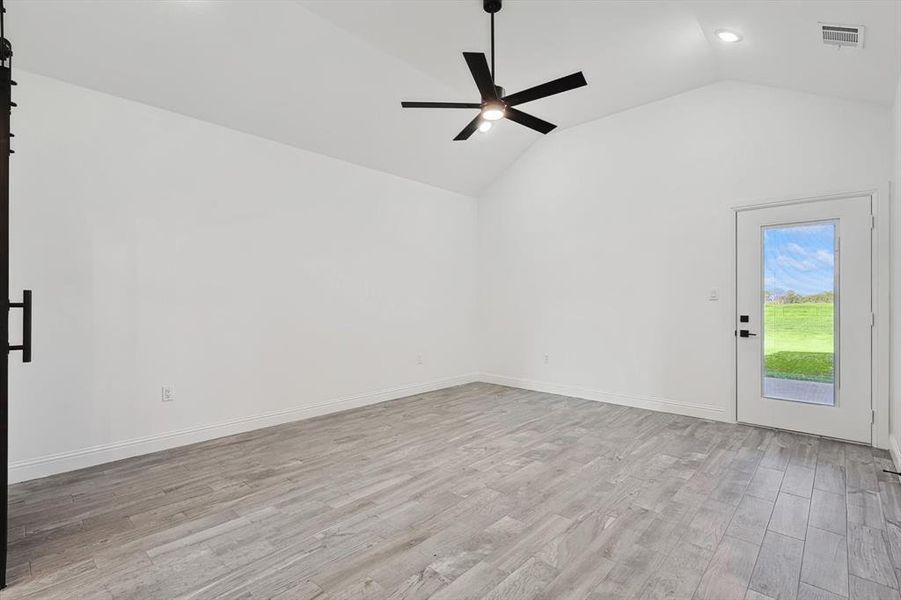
[491, 6]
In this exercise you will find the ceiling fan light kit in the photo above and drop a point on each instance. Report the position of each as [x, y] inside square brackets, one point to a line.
[492, 111]
[495, 104]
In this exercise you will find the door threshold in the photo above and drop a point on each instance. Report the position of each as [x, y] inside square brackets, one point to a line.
[814, 435]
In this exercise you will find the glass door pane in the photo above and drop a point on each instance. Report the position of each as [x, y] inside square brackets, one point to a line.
[799, 316]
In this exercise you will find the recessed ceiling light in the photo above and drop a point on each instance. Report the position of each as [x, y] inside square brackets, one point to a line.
[484, 126]
[730, 37]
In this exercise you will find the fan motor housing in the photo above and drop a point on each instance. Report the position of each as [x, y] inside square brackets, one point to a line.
[491, 6]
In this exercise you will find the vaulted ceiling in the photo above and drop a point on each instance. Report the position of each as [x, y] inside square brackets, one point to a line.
[328, 76]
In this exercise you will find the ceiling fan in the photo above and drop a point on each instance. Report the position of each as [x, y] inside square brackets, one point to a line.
[494, 104]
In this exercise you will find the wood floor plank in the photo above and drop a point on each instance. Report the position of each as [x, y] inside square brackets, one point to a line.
[825, 562]
[809, 592]
[465, 493]
[678, 575]
[766, 483]
[709, 524]
[749, 522]
[729, 570]
[830, 478]
[778, 567]
[863, 589]
[752, 595]
[890, 495]
[893, 539]
[473, 584]
[629, 574]
[868, 556]
[828, 511]
[798, 480]
[524, 583]
[790, 516]
[865, 508]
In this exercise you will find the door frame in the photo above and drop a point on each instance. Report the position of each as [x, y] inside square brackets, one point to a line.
[880, 282]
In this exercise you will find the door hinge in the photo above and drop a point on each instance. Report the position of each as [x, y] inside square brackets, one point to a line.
[872, 221]
[872, 319]
[872, 417]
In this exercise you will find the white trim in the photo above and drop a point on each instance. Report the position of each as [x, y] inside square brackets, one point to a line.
[881, 307]
[787, 200]
[669, 405]
[24, 470]
[895, 451]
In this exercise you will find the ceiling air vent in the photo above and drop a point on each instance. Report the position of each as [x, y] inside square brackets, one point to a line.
[842, 35]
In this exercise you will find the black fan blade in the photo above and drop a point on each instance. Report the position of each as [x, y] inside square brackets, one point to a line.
[528, 120]
[469, 129]
[564, 84]
[440, 104]
[478, 66]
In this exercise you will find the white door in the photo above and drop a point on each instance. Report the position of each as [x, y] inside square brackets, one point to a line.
[804, 317]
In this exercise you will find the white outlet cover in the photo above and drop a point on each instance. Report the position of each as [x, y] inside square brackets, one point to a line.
[714, 295]
[168, 393]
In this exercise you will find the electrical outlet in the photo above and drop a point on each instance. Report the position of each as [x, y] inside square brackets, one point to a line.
[547, 359]
[419, 359]
[714, 295]
[168, 393]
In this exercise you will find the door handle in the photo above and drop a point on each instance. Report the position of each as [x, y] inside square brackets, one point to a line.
[746, 333]
[25, 346]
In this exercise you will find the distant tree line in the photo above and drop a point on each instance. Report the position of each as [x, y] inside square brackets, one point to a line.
[793, 297]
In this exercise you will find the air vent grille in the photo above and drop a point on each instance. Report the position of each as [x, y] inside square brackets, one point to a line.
[842, 35]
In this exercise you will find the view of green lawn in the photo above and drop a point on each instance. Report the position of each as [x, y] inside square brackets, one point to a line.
[798, 341]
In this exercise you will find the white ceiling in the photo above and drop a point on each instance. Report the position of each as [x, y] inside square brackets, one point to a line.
[328, 76]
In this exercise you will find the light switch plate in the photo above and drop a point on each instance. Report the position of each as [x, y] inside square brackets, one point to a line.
[168, 393]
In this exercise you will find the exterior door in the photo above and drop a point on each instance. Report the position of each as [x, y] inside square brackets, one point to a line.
[805, 317]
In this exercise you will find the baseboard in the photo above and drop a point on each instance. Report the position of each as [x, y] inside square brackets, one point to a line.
[647, 402]
[43, 466]
[895, 451]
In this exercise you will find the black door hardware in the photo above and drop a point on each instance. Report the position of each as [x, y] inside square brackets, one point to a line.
[25, 346]
[746, 333]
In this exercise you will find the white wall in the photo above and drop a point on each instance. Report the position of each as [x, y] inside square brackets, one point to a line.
[600, 246]
[269, 284]
[265, 283]
[896, 281]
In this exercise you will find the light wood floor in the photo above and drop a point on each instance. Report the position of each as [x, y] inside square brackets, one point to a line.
[477, 491]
